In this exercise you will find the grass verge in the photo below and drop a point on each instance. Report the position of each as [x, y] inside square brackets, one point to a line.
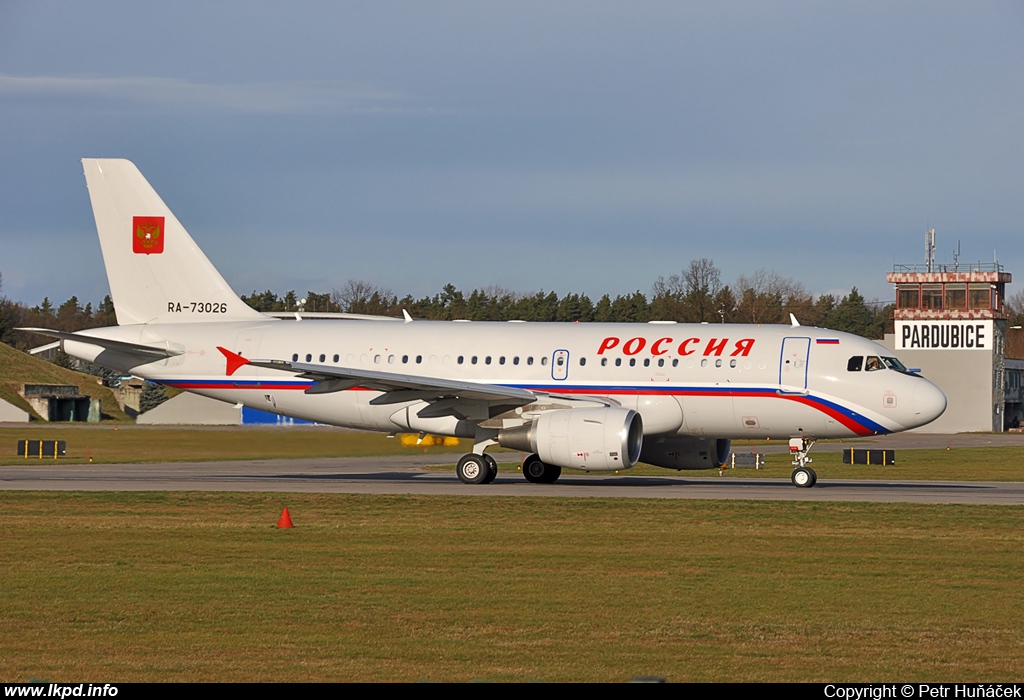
[111, 444]
[201, 587]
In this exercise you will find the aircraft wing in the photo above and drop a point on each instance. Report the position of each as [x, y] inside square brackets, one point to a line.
[397, 387]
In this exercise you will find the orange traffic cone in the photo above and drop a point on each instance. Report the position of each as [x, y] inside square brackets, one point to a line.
[285, 520]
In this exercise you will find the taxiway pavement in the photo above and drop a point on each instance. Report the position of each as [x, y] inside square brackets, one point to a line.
[405, 474]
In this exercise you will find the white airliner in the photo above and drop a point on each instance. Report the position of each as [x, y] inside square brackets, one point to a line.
[590, 396]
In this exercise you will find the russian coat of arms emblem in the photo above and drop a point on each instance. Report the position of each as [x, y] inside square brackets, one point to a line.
[148, 234]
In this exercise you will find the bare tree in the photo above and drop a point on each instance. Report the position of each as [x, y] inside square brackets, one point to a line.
[690, 296]
[768, 297]
[358, 297]
[1015, 308]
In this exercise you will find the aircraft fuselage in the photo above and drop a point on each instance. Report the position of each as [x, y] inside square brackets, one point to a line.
[714, 380]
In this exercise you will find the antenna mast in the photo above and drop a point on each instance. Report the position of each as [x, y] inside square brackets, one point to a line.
[929, 249]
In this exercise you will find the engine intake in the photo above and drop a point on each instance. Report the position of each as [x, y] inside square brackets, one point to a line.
[598, 439]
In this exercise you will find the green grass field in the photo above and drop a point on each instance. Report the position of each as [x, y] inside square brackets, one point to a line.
[113, 444]
[167, 586]
[109, 587]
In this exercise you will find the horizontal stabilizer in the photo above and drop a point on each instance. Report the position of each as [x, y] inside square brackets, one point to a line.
[106, 343]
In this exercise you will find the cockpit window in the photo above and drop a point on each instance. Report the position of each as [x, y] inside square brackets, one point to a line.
[855, 363]
[874, 363]
[893, 363]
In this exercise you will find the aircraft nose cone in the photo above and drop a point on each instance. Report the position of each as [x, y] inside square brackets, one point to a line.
[929, 403]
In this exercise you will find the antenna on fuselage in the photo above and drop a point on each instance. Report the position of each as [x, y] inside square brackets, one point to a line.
[793, 322]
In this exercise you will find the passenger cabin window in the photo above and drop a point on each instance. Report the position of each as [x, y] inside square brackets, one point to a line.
[543, 360]
[309, 358]
[336, 358]
[461, 359]
[583, 361]
[873, 364]
[295, 357]
[855, 363]
[322, 357]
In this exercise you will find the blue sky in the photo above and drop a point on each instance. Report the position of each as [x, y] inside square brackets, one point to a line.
[574, 146]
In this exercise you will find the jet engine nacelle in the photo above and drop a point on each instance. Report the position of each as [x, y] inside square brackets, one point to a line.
[686, 452]
[598, 439]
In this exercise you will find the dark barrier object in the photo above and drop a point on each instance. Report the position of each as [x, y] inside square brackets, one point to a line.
[882, 457]
[41, 448]
[745, 460]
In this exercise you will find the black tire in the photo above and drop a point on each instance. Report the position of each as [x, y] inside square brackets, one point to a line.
[533, 469]
[472, 469]
[803, 477]
[538, 472]
[492, 469]
[551, 474]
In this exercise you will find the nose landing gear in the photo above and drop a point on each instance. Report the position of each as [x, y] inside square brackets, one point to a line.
[803, 476]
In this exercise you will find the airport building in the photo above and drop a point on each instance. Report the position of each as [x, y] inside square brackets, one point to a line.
[950, 322]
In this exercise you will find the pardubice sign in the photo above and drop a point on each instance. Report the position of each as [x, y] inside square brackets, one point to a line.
[943, 335]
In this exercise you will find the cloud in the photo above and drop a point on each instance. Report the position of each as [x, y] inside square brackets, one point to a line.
[184, 95]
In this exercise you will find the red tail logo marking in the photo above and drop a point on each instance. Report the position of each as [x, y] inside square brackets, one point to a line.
[148, 234]
[234, 360]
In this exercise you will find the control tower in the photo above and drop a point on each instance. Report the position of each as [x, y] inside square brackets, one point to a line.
[951, 323]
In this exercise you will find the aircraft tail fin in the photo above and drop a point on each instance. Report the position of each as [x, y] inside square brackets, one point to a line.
[156, 271]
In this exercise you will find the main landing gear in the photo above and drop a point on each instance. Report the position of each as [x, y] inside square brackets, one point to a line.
[477, 469]
[482, 469]
[537, 472]
[803, 476]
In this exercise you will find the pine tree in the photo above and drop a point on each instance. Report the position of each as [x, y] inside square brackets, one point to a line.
[152, 396]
